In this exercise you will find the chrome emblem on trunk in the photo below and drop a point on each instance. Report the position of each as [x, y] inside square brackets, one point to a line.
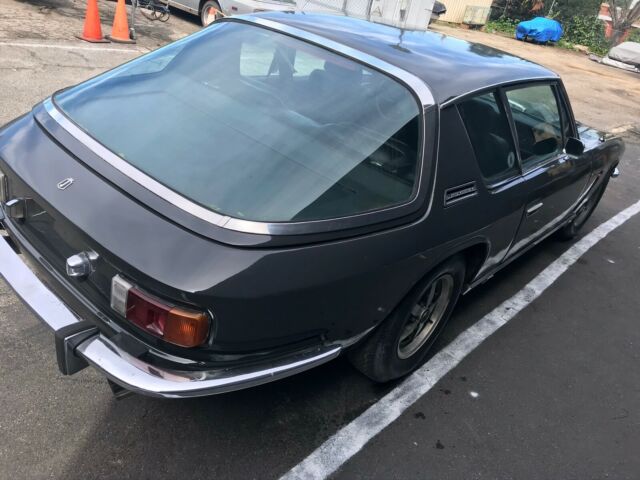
[66, 183]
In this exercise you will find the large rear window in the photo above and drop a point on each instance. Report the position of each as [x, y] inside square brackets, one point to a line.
[257, 125]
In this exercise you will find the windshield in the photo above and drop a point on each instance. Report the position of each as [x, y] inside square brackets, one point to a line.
[257, 125]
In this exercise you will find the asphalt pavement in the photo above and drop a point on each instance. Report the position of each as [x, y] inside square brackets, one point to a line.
[553, 394]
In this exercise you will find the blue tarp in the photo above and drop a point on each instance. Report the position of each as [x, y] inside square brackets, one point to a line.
[539, 29]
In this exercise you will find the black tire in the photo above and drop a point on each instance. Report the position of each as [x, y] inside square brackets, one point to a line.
[383, 355]
[209, 12]
[571, 229]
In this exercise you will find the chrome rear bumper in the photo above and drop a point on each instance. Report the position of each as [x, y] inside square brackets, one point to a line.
[128, 371]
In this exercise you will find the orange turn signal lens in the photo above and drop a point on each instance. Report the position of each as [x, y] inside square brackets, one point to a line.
[186, 328]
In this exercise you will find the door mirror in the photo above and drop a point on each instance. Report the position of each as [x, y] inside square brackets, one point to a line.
[574, 147]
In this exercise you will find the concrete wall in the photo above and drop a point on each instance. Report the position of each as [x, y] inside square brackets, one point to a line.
[456, 8]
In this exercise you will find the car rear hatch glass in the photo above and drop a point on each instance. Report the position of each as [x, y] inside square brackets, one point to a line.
[264, 127]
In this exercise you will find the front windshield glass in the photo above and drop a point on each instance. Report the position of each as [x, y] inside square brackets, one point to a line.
[257, 125]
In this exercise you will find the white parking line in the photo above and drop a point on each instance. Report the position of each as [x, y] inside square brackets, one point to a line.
[71, 47]
[349, 440]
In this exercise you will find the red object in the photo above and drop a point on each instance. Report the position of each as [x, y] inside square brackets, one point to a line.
[187, 328]
[92, 31]
[605, 15]
[120, 29]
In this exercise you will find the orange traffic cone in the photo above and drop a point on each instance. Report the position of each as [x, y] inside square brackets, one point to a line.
[92, 31]
[120, 30]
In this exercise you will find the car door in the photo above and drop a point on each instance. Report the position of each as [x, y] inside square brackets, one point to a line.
[555, 181]
[501, 195]
[192, 6]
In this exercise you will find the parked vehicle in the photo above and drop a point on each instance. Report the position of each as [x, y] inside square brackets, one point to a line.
[210, 10]
[539, 30]
[211, 221]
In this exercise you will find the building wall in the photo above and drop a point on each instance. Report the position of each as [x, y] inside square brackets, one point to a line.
[456, 8]
[605, 16]
[411, 14]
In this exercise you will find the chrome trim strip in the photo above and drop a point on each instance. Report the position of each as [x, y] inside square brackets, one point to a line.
[418, 87]
[416, 84]
[132, 172]
[493, 86]
[135, 374]
[534, 208]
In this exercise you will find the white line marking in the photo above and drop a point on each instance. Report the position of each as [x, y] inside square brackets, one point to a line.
[71, 47]
[349, 440]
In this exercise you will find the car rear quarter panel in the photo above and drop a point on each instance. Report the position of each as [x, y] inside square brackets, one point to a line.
[258, 296]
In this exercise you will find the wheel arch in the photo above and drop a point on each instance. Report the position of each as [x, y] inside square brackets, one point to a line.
[473, 253]
[475, 256]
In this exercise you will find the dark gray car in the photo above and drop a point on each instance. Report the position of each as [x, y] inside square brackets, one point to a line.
[257, 198]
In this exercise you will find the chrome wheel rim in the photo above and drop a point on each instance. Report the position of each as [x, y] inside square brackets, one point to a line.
[425, 316]
[210, 15]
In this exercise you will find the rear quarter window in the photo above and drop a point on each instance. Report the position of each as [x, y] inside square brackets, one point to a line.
[487, 125]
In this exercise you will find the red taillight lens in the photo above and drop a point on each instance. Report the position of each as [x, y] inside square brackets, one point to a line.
[180, 326]
[146, 312]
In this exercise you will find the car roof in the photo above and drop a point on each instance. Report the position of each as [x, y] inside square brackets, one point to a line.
[450, 67]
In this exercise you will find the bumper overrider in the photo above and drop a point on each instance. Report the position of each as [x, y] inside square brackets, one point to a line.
[79, 344]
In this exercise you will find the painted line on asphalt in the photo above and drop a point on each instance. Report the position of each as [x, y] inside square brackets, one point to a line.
[72, 47]
[350, 439]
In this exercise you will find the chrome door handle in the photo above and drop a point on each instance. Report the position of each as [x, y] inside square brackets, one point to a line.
[534, 208]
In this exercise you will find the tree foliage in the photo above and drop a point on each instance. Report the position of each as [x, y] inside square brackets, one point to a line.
[624, 13]
[562, 10]
[579, 19]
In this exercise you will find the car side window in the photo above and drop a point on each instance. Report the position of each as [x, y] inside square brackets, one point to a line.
[488, 128]
[537, 122]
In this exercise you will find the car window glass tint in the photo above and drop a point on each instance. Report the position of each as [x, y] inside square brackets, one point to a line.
[257, 125]
[305, 64]
[257, 58]
[488, 129]
[537, 121]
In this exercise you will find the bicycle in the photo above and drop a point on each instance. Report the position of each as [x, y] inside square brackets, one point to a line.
[154, 10]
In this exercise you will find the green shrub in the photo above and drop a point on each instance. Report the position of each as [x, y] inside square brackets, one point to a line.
[634, 36]
[587, 31]
[502, 25]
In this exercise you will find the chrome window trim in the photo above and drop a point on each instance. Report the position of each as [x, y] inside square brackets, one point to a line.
[417, 85]
[493, 86]
[414, 84]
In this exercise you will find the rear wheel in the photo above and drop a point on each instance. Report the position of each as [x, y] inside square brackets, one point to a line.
[210, 11]
[571, 229]
[401, 343]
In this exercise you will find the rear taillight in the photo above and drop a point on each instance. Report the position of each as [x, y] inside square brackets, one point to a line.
[180, 326]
